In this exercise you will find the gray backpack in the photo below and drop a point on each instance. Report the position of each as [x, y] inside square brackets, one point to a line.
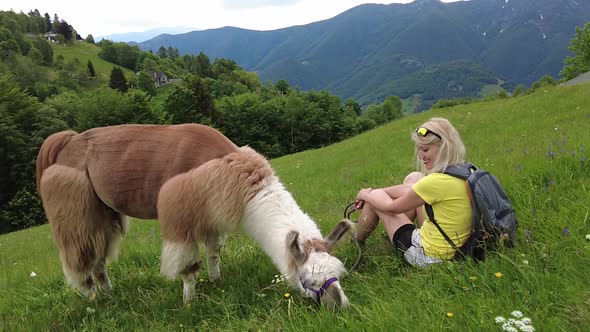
[494, 219]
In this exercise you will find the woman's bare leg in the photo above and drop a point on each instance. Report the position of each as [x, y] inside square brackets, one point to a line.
[369, 218]
[368, 221]
[392, 223]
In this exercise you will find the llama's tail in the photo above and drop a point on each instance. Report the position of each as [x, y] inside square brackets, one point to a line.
[49, 151]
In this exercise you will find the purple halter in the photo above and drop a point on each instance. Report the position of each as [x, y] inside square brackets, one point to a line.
[322, 289]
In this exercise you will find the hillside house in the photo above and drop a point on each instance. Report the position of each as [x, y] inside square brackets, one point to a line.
[51, 37]
[160, 78]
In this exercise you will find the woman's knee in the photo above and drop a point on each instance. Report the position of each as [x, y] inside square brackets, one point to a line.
[413, 178]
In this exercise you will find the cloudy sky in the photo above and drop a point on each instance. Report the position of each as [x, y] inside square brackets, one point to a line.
[105, 17]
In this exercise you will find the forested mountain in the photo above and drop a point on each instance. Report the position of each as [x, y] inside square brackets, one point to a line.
[372, 51]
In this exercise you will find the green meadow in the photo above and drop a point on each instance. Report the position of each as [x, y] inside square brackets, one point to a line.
[84, 52]
[537, 145]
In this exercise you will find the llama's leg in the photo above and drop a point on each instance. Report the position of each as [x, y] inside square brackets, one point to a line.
[214, 244]
[78, 277]
[77, 218]
[188, 276]
[181, 259]
[113, 236]
[101, 275]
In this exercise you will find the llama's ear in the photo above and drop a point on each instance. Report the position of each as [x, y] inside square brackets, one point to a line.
[343, 226]
[294, 248]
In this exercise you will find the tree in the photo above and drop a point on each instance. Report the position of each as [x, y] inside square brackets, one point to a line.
[91, 71]
[127, 55]
[108, 51]
[90, 39]
[203, 101]
[223, 66]
[173, 53]
[353, 106]
[282, 87]
[36, 56]
[204, 65]
[48, 25]
[108, 107]
[162, 52]
[8, 47]
[24, 123]
[390, 109]
[118, 80]
[66, 30]
[55, 23]
[43, 46]
[518, 90]
[248, 119]
[580, 47]
[146, 83]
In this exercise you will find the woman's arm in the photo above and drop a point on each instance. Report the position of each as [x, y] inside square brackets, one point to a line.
[380, 200]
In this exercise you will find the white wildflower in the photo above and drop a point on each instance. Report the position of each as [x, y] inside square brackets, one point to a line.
[33, 274]
[500, 320]
[519, 324]
[588, 237]
[517, 314]
[509, 328]
[525, 262]
[527, 328]
[90, 310]
[527, 321]
[278, 278]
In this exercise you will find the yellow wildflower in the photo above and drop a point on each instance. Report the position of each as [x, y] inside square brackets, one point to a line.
[287, 295]
[450, 314]
[499, 274]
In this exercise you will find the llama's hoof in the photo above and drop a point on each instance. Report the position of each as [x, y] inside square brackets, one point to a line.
[88, 293]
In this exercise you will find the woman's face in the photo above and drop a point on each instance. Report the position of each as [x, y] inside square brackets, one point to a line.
[428, 154]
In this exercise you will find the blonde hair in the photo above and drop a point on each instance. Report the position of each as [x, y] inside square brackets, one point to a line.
[451, 148]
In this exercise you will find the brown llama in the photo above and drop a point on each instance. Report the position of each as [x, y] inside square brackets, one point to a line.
[90, 182]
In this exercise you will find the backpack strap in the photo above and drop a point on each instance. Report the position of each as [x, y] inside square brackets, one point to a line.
[461, 171]
[430, 214]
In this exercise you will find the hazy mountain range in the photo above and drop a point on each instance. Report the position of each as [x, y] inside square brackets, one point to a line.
[139, 37]
[371, 51]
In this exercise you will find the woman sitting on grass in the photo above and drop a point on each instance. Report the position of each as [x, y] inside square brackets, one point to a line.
[438, 145]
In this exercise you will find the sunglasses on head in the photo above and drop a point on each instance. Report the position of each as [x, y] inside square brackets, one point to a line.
[425, 131]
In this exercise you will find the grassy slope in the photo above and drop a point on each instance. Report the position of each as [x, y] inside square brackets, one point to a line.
[85, 51]
[535, 144]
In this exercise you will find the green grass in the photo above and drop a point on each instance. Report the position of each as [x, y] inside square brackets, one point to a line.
[537, 145]
[85, 51]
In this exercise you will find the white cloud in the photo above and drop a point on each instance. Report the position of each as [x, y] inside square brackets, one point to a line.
[256, 3]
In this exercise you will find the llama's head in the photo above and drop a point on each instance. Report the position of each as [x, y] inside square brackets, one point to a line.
[315, 271]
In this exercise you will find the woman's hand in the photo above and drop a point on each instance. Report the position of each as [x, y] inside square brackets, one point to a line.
[361, 197]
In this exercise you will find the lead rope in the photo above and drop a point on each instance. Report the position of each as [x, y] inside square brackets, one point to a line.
[358, 246]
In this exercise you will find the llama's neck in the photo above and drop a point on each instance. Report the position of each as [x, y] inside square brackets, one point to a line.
[270, 216]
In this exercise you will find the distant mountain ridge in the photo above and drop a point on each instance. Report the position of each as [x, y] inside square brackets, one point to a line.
[368, 50]
[142, 36]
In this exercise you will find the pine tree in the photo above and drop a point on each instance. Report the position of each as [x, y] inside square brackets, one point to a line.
[48, 22]
[91, 71]
[118, 80]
